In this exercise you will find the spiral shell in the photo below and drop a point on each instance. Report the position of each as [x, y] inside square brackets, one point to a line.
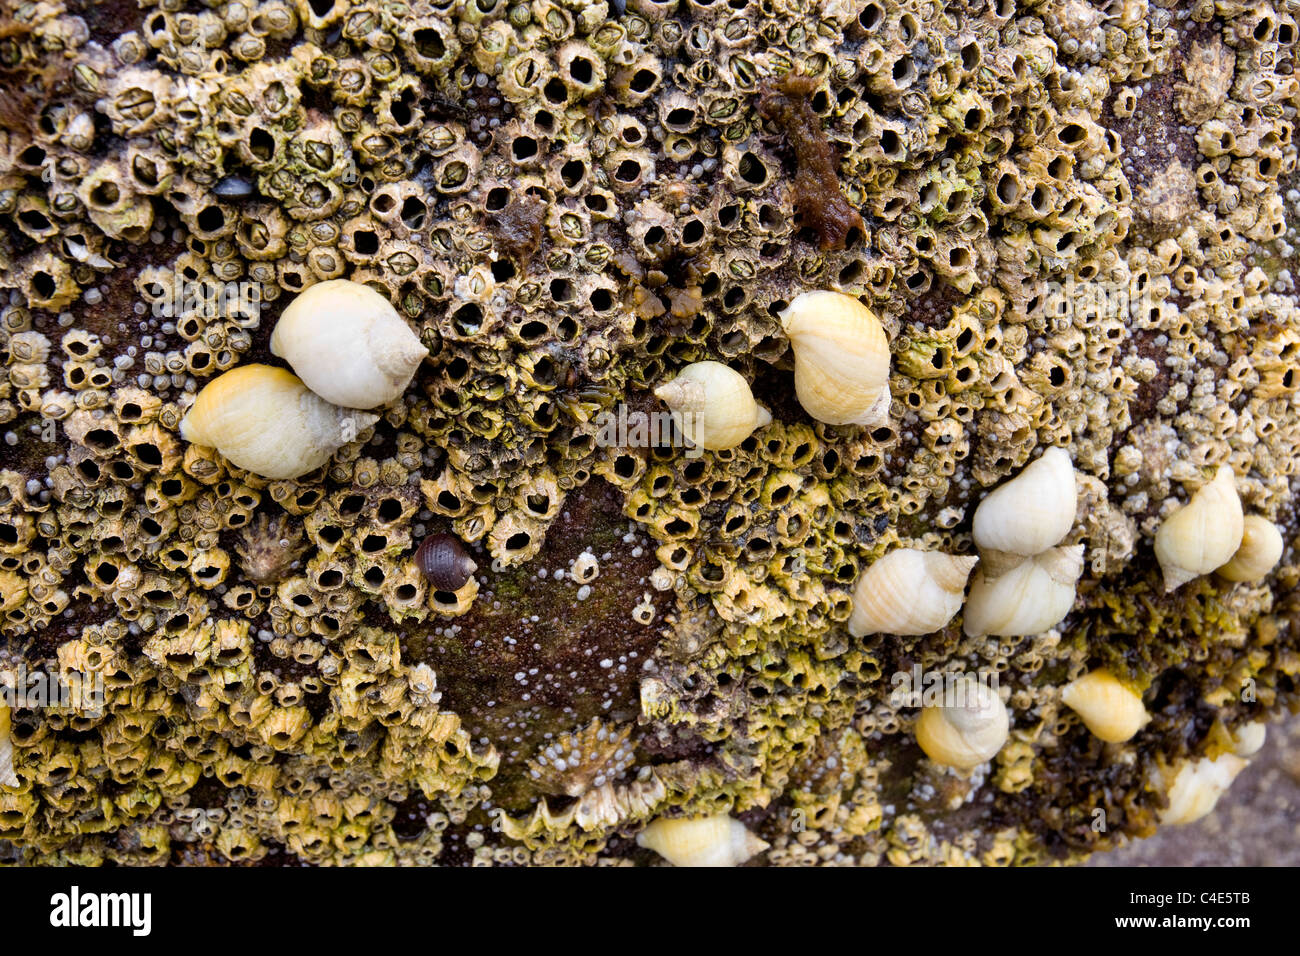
[966, 730]
[701, 841]
[1259, 552]
[713, 405]
[1249, 738]
[909, 592]
[1032, 597]
[1107, 707]
[1028, 514]
[348, 344]
[1203, 534]
[442, 559]
[841, 359]
[266, 420]
[7, 776]
[1197, 787]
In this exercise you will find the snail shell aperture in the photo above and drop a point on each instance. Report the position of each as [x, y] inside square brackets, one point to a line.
[442, 559]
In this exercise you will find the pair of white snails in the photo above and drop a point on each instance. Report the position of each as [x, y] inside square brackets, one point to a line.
[352, 351]
[841, 375]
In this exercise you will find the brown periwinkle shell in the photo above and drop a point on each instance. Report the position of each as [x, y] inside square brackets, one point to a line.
[442, 559]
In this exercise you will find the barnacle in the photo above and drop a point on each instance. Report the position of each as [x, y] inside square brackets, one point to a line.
[1068, 224]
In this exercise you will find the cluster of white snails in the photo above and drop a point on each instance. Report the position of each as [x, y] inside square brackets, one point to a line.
[351, 351]
[841, 375]
[1210, 533]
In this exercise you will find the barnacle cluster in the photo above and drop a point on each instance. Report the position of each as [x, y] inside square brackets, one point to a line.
[1074, 222]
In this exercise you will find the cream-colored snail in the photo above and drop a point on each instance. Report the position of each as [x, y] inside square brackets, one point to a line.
[7, 776]
[701, 841]
[1028, 514]
[1032, 597]
[1197, 787]
[266, 420]
[967, 730]
[841, 359]
[909, 592]
[1110, 709]
[348, 344]
[1249, 738]
[713, 405]
[1203, 534]
[1259, 552]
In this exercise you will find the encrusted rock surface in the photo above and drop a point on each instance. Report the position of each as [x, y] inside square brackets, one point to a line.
[569, 205]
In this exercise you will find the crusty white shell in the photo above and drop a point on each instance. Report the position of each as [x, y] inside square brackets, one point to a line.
[701, 841]
[1032, 597]
[713, 405]
[1111, 710]
[1197, 787]
[909, 592]
[1028, 514]
[264, 419]
[348, 344]
[967, 732]
[841, 358]
[1203, 534]
[7, 776]
[1259, 552]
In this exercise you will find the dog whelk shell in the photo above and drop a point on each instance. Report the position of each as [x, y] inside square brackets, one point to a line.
[1108, 708]
[1032, 597]
[266, 420]
[1197, 786]
[701, 841]
[1249, 738]
[1203, 534]
[713, 405]
[7, 776]
[348, 344]
[442, 559]
[968, 729]
[909, 592]
[1259, 552]
[841, 358]
[1028, 514]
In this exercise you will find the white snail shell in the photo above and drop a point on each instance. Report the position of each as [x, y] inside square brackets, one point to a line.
[1197, 786]
[1259, 552]
[701, 841]
[1111, 710]
[7, 776]
[1203, 534]
[264, 419]
[348, 344]
[966, 731]
[1028, 514]
[909, 592]
[1032, 597]
[841, 358]
[713, 405]
[1249, 738]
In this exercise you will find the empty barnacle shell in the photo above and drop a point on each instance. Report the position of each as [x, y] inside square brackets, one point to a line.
[7, 776]
[1032, 597]
[348, 344]
[1110, 709]
[1259, 552]
[266, 420]
[1028, 514]
[1203, 534]
[701, 841]
[713, 405]
[1197, 786]
[969, 728]
[442, 559]
[909, 592]
[841, 358]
